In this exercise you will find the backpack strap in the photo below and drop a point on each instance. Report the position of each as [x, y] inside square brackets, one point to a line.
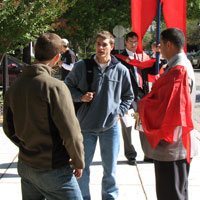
[89, 63]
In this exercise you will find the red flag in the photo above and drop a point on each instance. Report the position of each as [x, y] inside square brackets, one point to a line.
[170, 104]
[144, 11]
[136, 63]
[174, 13]
[142, 15]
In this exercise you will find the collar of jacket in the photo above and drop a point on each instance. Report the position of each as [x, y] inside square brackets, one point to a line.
[37, 69]
[113, 61]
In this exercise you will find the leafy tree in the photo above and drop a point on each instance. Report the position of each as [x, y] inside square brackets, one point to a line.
[193, 34]
[80, 23]
[193, 24]
[193, 9]
[86, 18]
[23, 20]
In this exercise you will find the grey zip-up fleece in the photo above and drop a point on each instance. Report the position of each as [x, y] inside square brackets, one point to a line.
[113, 94]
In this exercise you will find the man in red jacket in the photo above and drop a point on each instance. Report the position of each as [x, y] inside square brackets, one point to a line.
[166, 118]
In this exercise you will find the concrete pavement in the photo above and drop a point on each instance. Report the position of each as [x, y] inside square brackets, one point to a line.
[135, 182]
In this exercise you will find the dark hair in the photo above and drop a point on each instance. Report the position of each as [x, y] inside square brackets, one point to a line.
[173, 35]
[131, 35]
[154, 44]
[47, 46]
[106, 35]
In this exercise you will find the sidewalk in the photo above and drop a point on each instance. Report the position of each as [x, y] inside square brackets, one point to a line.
[135, 182]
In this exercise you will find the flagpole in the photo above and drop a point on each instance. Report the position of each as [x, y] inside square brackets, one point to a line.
[158, 22]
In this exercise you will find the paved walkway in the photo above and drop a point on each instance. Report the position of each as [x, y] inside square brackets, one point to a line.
[135, 182]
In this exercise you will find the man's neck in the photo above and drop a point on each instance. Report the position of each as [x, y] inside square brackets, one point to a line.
[130, 52]
[48, 63]
[174, 53]
[103, 60]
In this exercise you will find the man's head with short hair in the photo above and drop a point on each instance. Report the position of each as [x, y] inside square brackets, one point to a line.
[131, 41]
[65, 45]
[173, 35]
[104, 45]
[131, 35]
[106, 35]
[153, 44]
[47, 46]
[171, 42]
[65, 42]
[154, 47]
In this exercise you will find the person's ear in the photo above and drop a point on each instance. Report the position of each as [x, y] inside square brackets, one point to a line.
[112, 46]
[56, 58]
[169, 44]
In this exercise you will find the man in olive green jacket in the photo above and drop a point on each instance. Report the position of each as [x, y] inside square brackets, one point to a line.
[39, 118]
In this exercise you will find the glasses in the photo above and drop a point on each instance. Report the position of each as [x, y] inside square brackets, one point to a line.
[132, 42]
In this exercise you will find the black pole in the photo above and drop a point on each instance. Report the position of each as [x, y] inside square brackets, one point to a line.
[5, 74]
[27, 54]
[158, 24]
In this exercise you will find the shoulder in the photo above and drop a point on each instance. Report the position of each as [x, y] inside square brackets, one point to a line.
[124, 52]
[143, 56]
[54, 83]
[79, 65]
[78, 71]
[184, 62]
[71, 52]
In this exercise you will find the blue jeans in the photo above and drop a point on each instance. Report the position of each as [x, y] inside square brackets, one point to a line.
[109, 142]
[56, 184]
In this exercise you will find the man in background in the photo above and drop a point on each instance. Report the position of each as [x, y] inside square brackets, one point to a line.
[139, 86]
[68, 58]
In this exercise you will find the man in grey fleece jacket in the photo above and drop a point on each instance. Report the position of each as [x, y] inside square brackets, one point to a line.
[39, 118]
[109, 98]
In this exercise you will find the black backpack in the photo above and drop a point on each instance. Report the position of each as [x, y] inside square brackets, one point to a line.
[89, 63]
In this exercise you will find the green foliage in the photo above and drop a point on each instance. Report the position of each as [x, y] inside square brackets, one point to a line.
[193, 32]
[193, 9]
[193, 23]
[86, 18]
[23, 20]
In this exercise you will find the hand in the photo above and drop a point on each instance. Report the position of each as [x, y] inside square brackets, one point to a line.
[78, 173]
[158, 48]
[87, 97]
[128, 60]
[136, 116]
[60, 63]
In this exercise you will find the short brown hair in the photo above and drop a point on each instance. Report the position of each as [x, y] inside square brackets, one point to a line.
[175, 36]
[106, 35]
[47, 46]
[131, 35]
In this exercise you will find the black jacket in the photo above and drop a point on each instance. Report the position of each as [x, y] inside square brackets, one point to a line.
[138, 91]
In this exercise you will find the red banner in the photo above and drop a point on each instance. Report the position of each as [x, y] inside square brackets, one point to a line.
[144, 11]
[142, 15]
[136, 63]
[174, 13]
